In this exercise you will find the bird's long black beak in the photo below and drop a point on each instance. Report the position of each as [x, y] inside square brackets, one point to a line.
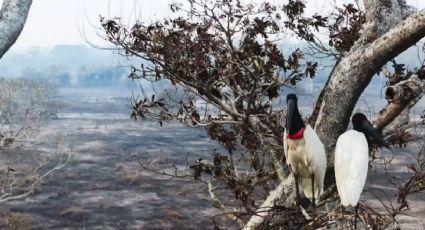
[376, 135]
[291, 107]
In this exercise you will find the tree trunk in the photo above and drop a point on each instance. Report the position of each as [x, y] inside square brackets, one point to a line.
[13, 15]
[313, 117]
[354, 73]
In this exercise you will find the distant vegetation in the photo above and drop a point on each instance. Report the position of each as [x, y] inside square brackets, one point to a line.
[81, 66]
[85, 76]
[68, 66]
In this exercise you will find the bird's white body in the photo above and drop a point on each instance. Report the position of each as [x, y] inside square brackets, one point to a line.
[351, 166]
[306, 157]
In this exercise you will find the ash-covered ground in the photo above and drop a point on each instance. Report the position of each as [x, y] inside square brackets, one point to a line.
[103, 186]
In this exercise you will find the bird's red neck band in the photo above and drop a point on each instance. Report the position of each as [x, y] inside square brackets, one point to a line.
[297, 135]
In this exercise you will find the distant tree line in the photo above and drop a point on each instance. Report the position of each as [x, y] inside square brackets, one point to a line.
[62, 76]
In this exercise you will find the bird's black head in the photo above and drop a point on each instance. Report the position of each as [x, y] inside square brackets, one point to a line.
[294, 122]
[362, 124]
[291, 96]
[358, 119]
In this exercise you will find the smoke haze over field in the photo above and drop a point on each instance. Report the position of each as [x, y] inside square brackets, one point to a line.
[74, 21]
[58, 49]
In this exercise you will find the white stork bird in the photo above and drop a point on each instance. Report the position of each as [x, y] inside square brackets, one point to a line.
[304, 152]
[352, 160]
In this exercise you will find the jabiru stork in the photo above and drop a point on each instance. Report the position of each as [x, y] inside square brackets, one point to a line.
[352, 160]
[305, 153]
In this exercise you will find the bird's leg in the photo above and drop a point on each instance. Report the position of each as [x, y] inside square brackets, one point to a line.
[314, 200]
[356, 215]
[297, 193]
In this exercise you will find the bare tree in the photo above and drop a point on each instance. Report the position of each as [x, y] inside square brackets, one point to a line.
[25, 105]
[18, 184]
[226, 55]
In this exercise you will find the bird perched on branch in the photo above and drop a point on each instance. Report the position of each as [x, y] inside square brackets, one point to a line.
[352, 160]
[304, 152]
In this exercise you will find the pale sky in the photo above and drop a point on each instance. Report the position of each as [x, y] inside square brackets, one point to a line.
[55, 22]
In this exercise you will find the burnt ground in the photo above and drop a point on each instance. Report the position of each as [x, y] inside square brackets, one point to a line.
[379, 190]
[103, 186]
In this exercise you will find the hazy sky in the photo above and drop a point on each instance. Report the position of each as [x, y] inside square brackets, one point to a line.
[53, 22]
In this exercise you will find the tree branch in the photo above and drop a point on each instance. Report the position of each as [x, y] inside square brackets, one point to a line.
[217, 203]
[13, 16]
[403, 95]
[279, 194]
[354, 73]
[397, 40]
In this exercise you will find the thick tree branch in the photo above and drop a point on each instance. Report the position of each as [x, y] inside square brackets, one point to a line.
[403, 95]
[401, 37]
[218, 204]
[354, 73]
[13, 16]
[313, 118]
[283, 193]
[383, 14]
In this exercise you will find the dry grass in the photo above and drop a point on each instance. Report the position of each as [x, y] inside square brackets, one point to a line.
[73, 213]
[132, 178]
[15, 221]
[129, 176]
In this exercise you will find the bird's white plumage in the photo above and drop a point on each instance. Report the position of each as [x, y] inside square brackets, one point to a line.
[306, 157]
[351, 166]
